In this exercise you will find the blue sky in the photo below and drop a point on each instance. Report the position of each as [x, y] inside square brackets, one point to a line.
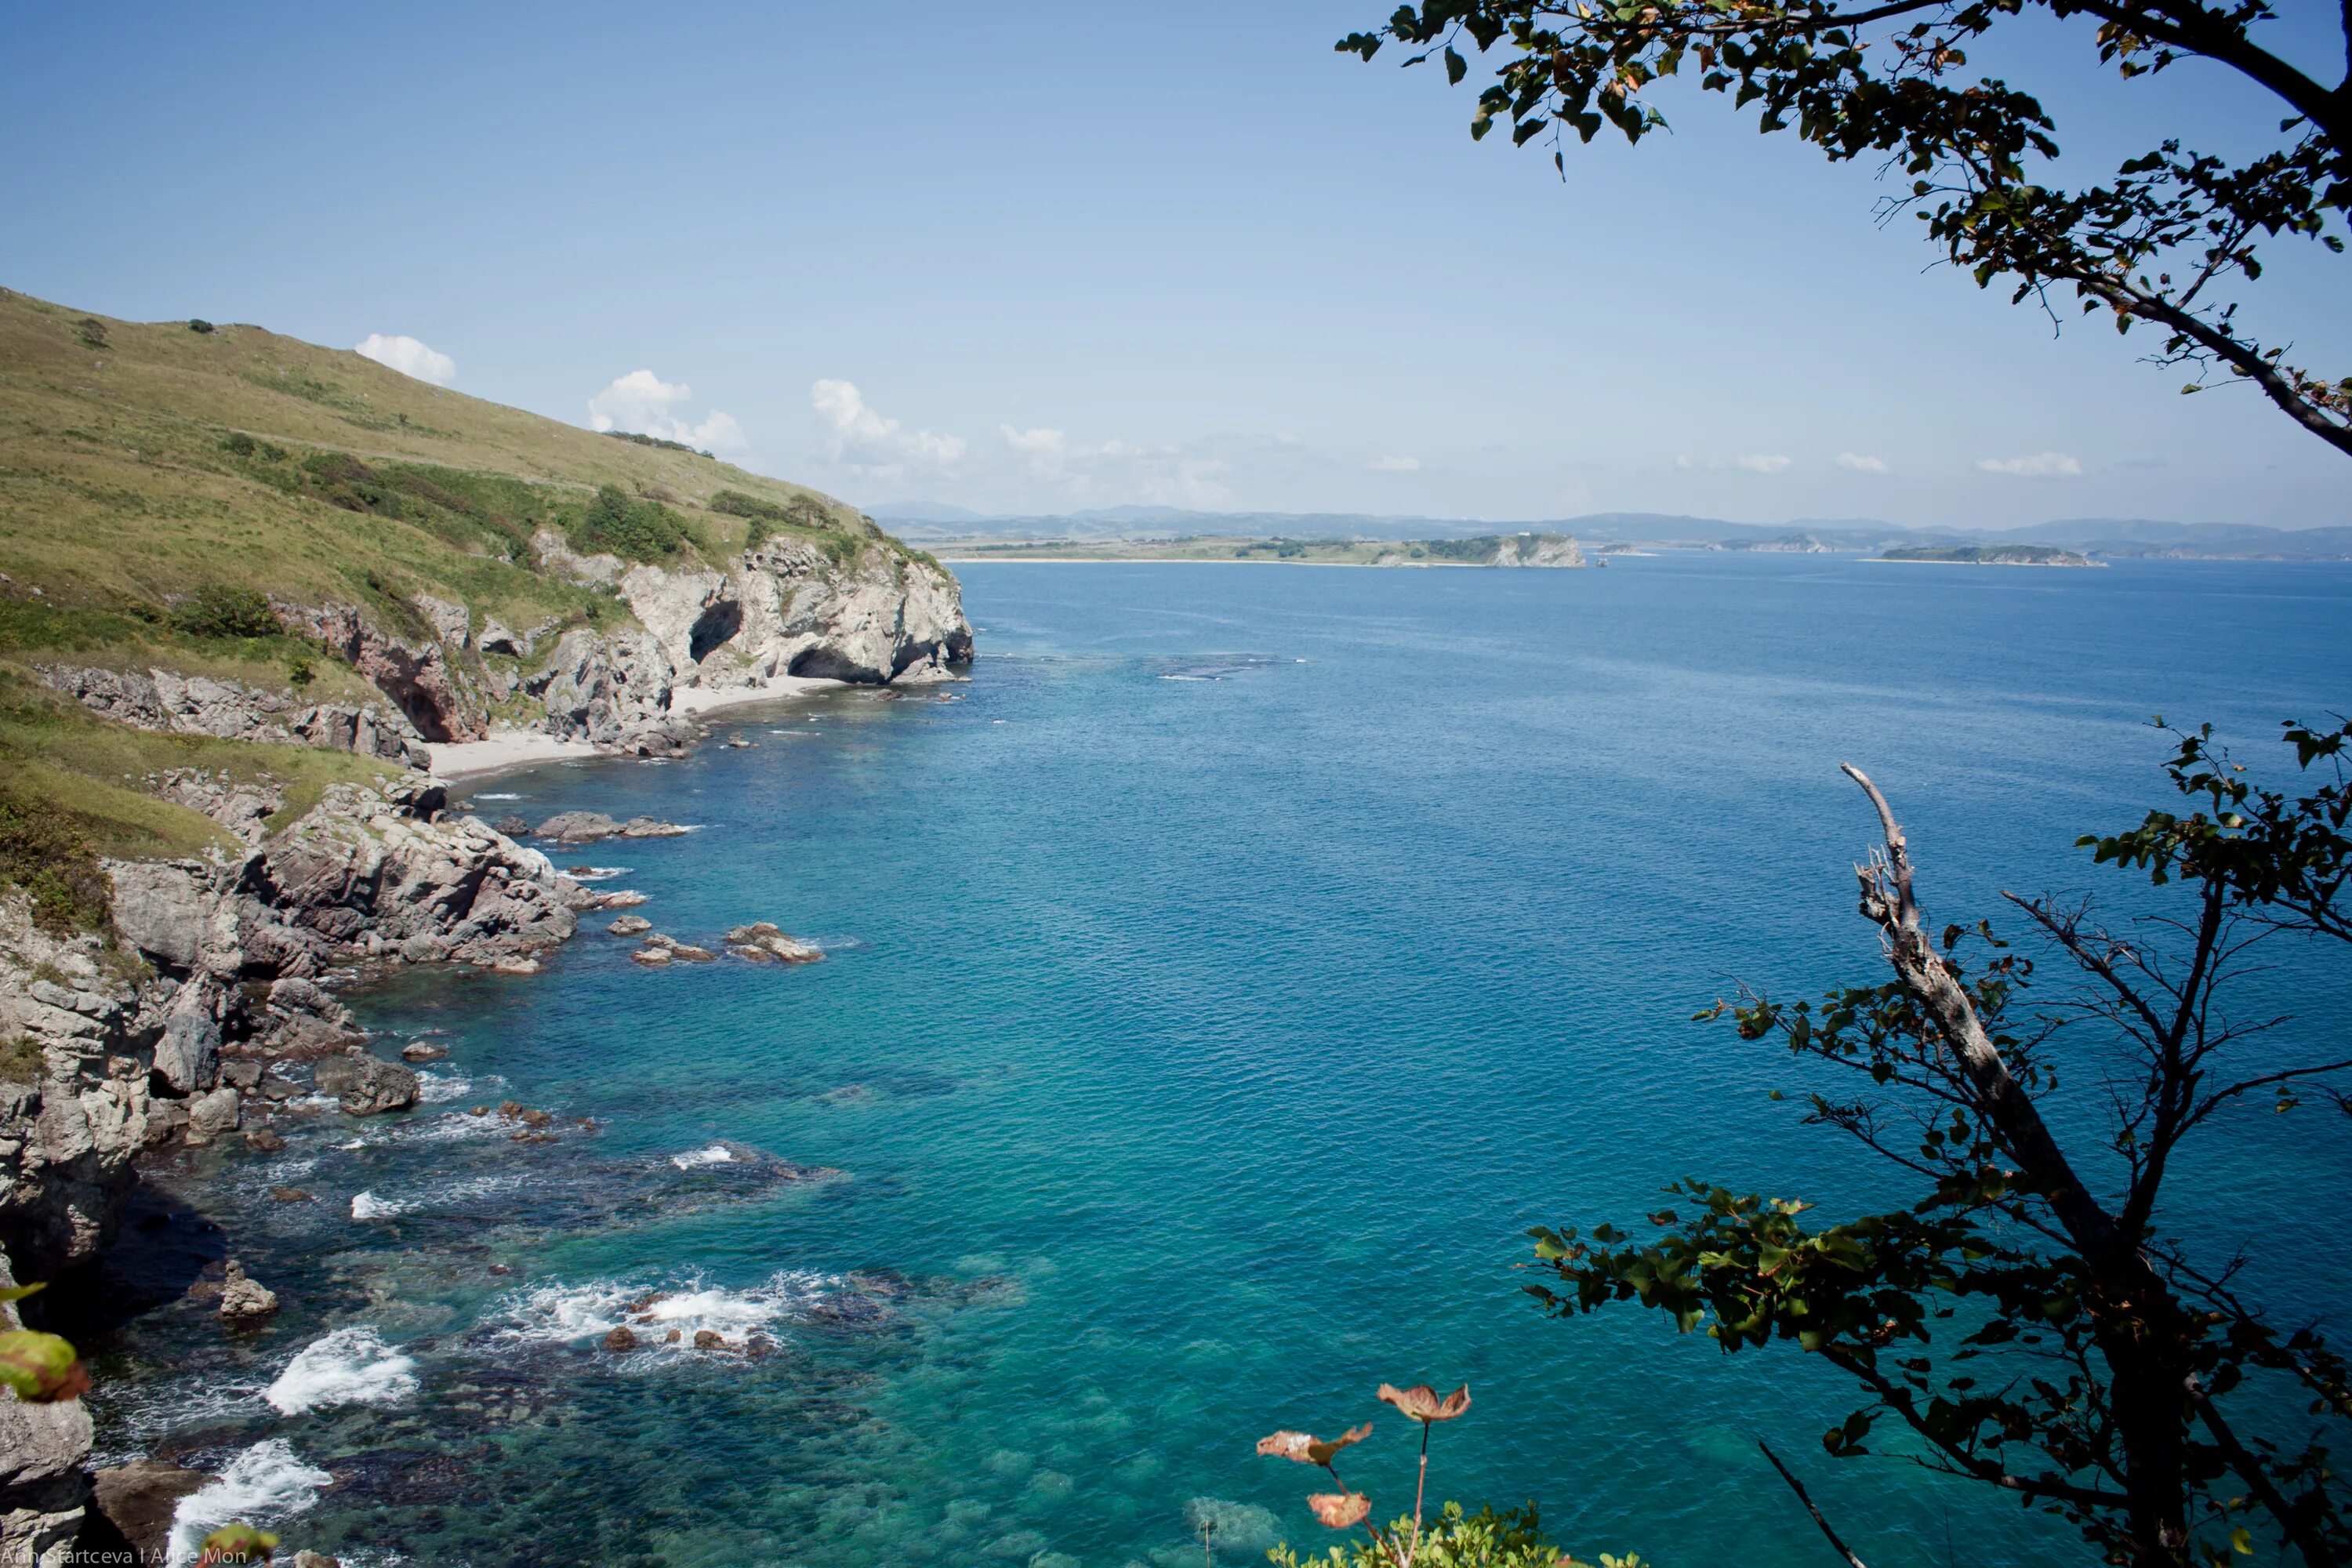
[1049, 256]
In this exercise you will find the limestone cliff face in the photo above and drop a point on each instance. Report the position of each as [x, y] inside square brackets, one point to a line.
[1537, 550]
[786, 608]
[132, 1041]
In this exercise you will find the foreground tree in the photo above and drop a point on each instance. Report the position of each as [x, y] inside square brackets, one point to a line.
[2170, 241]
[2025, 1317]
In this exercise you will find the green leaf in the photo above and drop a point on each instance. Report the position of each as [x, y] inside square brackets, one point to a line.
[1456, 67]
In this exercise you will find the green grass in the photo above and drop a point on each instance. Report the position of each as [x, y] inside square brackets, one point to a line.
[21, 1060]
[160, 483]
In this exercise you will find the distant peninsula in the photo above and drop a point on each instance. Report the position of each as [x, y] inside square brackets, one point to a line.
[1992, 555]
[1532, 549]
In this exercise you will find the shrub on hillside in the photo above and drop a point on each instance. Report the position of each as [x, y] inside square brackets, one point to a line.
[44, 853]
[92, 333]
[216, 612]
[198, 324]
[616, 524]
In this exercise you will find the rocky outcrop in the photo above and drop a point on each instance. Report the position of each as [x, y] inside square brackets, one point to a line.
[135, 1504]
[170, 1033]
[1537, 550]
[588, 827]
[44, 1489]
[416, 677]
[365, 1085]
[611, 690]
[887, 618]
[786, 608]
[245, 1301]
[763, 942]
[74, 1107]
[229, 711]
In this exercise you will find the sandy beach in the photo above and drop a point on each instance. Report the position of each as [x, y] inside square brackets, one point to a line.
[520, 748]
[702, 700]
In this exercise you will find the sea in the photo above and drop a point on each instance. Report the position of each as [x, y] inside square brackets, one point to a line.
[1218, 985]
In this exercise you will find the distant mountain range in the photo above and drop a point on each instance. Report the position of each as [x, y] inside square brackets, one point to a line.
[2109, 538]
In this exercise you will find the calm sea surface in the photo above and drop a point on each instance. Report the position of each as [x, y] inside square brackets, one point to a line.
[1219, 984]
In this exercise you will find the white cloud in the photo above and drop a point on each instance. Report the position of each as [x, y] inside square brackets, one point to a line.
[1396, 465]
[2040, 465]
[1753, 462]
[1118, 470]
[409, 357]
[640, 402]
[1860, 464]
[858, 437]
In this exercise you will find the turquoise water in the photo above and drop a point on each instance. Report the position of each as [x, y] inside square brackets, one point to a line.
[1219, 983]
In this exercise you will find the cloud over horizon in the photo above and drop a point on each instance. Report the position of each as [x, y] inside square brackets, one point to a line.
[640, 403]
[858, 435]
[1860, 464]
[2040, 465]
[409, 357]
[1395, 464]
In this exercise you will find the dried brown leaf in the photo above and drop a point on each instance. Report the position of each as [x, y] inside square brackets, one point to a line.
[1422, 1402]
[1340, 1510]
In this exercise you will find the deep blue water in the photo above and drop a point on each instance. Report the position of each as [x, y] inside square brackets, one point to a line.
[1220, 984]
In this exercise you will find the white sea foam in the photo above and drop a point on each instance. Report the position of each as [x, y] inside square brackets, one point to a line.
[439, 1088]
[264, 1484]
[349, 1366]
[489, 796]
[367, 1205]
[598, 873]
[568, 1312]
[716, 1154]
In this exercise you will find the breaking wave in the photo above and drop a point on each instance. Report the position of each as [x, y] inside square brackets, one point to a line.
[264, 1484]
[349, 1366]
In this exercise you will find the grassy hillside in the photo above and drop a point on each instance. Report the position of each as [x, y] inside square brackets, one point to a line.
[154, 477]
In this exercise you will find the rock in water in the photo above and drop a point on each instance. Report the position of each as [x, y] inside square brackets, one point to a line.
[263, 1141]
[244, 1302]
[212, 1115]
[646, 827]
[315, 1559]
[364, 1085]
[629, 925]
[651, 957]
[577, 826]
[620, 1340]
[422, 1051]
[765, 937]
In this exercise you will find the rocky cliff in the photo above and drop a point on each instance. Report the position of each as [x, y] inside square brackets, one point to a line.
[785, 607]
[161, 1030]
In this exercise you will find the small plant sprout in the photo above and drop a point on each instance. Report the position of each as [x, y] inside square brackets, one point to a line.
[1420, 1402]
[1344, 1510]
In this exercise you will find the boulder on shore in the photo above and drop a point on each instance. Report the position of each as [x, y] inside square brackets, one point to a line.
[629, 925]
[367, 1085]
[134, 1503]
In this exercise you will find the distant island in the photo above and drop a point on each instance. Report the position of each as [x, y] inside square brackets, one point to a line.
[1533, 549]
[1993, 556]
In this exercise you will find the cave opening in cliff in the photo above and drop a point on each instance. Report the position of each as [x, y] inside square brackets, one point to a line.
[716, 625]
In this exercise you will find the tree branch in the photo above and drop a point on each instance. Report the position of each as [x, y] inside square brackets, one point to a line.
[1798, 1486]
